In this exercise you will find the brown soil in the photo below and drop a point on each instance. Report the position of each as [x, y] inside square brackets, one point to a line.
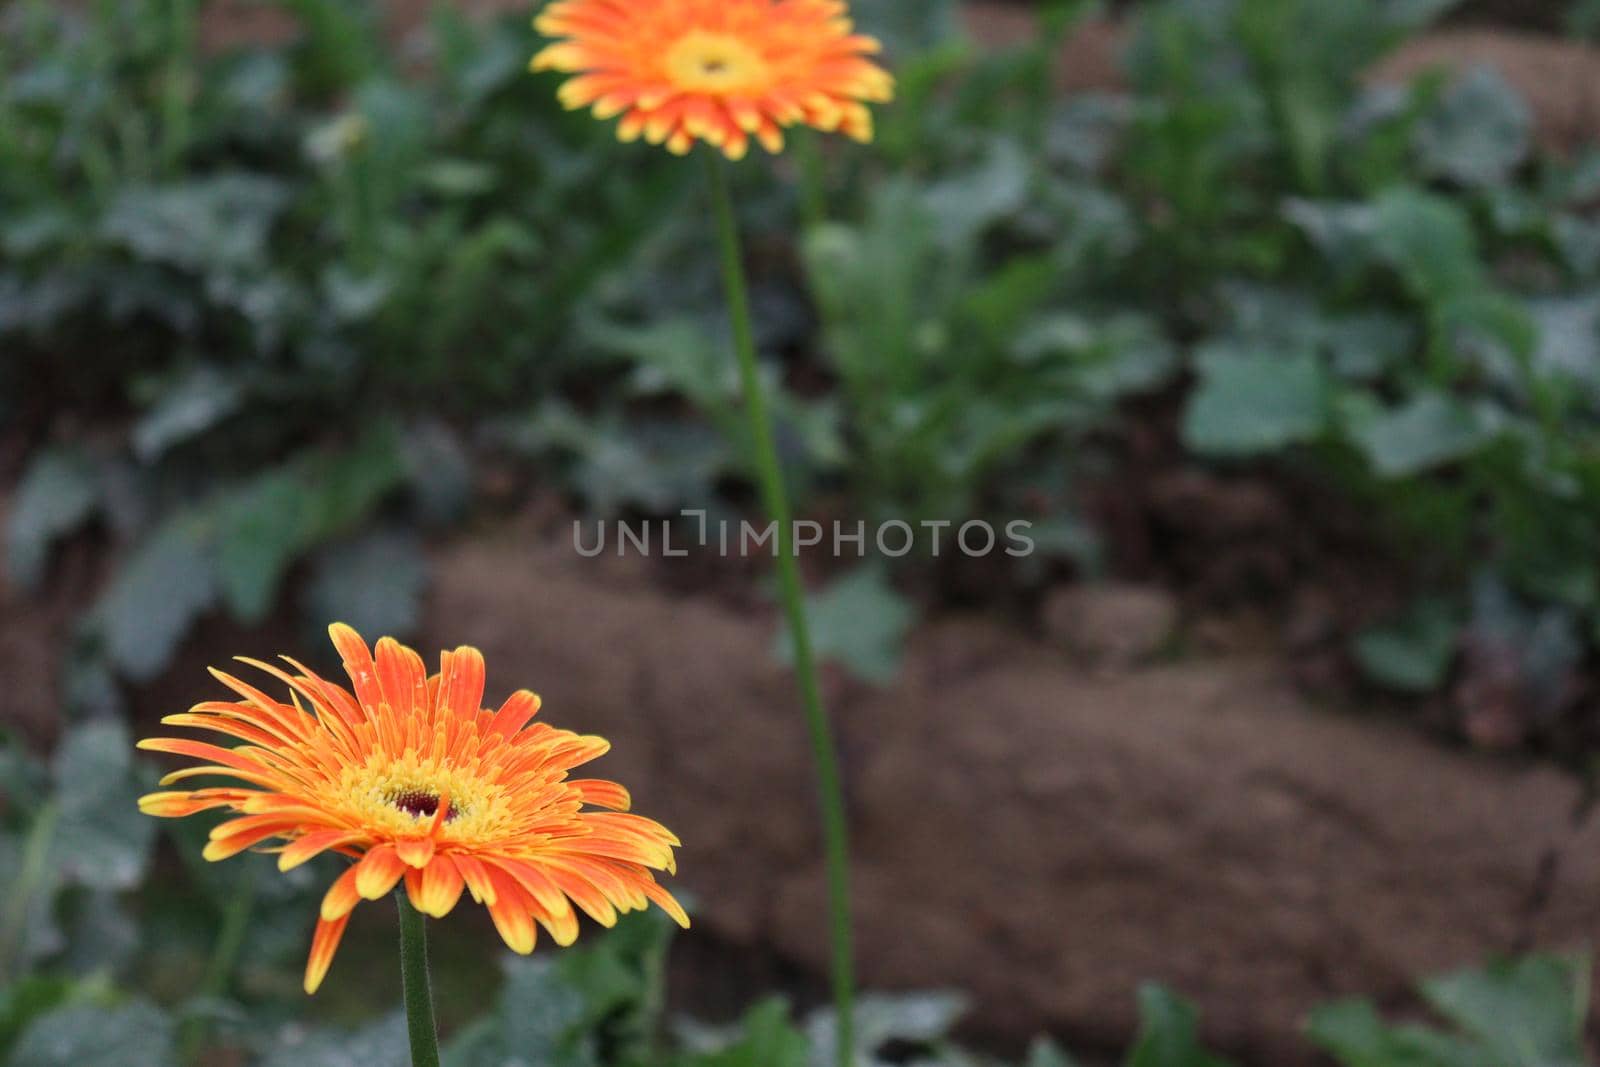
[1043, 838]
[1559, 79]
[34, 635]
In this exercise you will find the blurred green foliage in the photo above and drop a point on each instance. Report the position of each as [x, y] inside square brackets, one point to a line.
[263, 311]
[84, 926]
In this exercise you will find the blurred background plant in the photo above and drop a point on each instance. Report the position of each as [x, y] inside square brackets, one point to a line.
[273, 316]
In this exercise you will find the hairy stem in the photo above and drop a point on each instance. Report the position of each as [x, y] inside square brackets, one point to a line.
[414, 977]
[835, 830]
[30, 879]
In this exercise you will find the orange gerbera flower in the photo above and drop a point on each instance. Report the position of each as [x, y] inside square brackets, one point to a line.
[415, 780]
[720, 71]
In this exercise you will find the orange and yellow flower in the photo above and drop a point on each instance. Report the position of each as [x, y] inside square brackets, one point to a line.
[412, 778]
[719, 71]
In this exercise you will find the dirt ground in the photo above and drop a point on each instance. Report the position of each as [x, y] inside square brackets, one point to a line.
[1042, 836]
[1560, 79]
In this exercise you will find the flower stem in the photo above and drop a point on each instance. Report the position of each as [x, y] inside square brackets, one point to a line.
[414, 977]
[224, 957]
[813, 180]
[835, 830]
[30, 879]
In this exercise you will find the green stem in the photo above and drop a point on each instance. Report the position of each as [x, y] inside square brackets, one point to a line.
[813, 180]
[178, 87]
[414, 976]
[35, 868]
[224, 957]
[835, 830]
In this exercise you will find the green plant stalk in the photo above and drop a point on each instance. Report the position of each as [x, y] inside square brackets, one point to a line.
[414, 978]
[813, 180]
[224, 957]
[35, 861]
[178, 85]
[830, 792]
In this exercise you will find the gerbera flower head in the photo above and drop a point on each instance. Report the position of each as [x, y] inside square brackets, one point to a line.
[719, 71]
[409, 776]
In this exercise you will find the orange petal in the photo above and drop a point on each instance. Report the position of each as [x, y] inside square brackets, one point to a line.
[341, 898]
[228, 757]
[515, 713]
[402, 677]
[667, 903]
[513, 916]
[358, 664]
[461, 684]
[314, 844]
[440, 888]
[378, 872]
[232, 838]
[476, 876]
[415, 851]
[602, 794]
[178, 805]
[546, 894]
[324, 943]
[585, 894]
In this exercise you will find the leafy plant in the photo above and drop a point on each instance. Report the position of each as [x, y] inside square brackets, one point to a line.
[1522, 1013]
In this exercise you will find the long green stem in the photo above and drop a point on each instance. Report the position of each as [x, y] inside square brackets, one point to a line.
[414, 977]
[835, 830]
[224, 957]
[813, 180]
[34, 869]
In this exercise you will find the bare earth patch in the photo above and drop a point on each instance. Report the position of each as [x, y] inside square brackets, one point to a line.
[1041, 837]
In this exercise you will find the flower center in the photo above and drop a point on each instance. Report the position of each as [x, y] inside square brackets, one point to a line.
[708, 62]
[419, 804]
[401, 796]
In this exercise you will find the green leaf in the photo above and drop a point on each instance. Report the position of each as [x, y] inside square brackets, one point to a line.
[1429, 240]
[1480, 133]
[215, 226]
[102, 840]
[58, 494]
[542, 1017]
[166, 584]
[374, 583]
[860, 622]
[134, 1035]
[1353, 1033]
[188, 407]
[377, 1045]
[272, 522]
[1527, 1013]
[1366, 346]
[1569, 341]
[1250, 403]
[767, 1039]
[963, 205]
[27, 999]
[907, 31]
[1169, 1033]
[1046, 1054]
[1344, 232]
[1412, 653]
[1430, 431]
[265, 526]
[909, 1018]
